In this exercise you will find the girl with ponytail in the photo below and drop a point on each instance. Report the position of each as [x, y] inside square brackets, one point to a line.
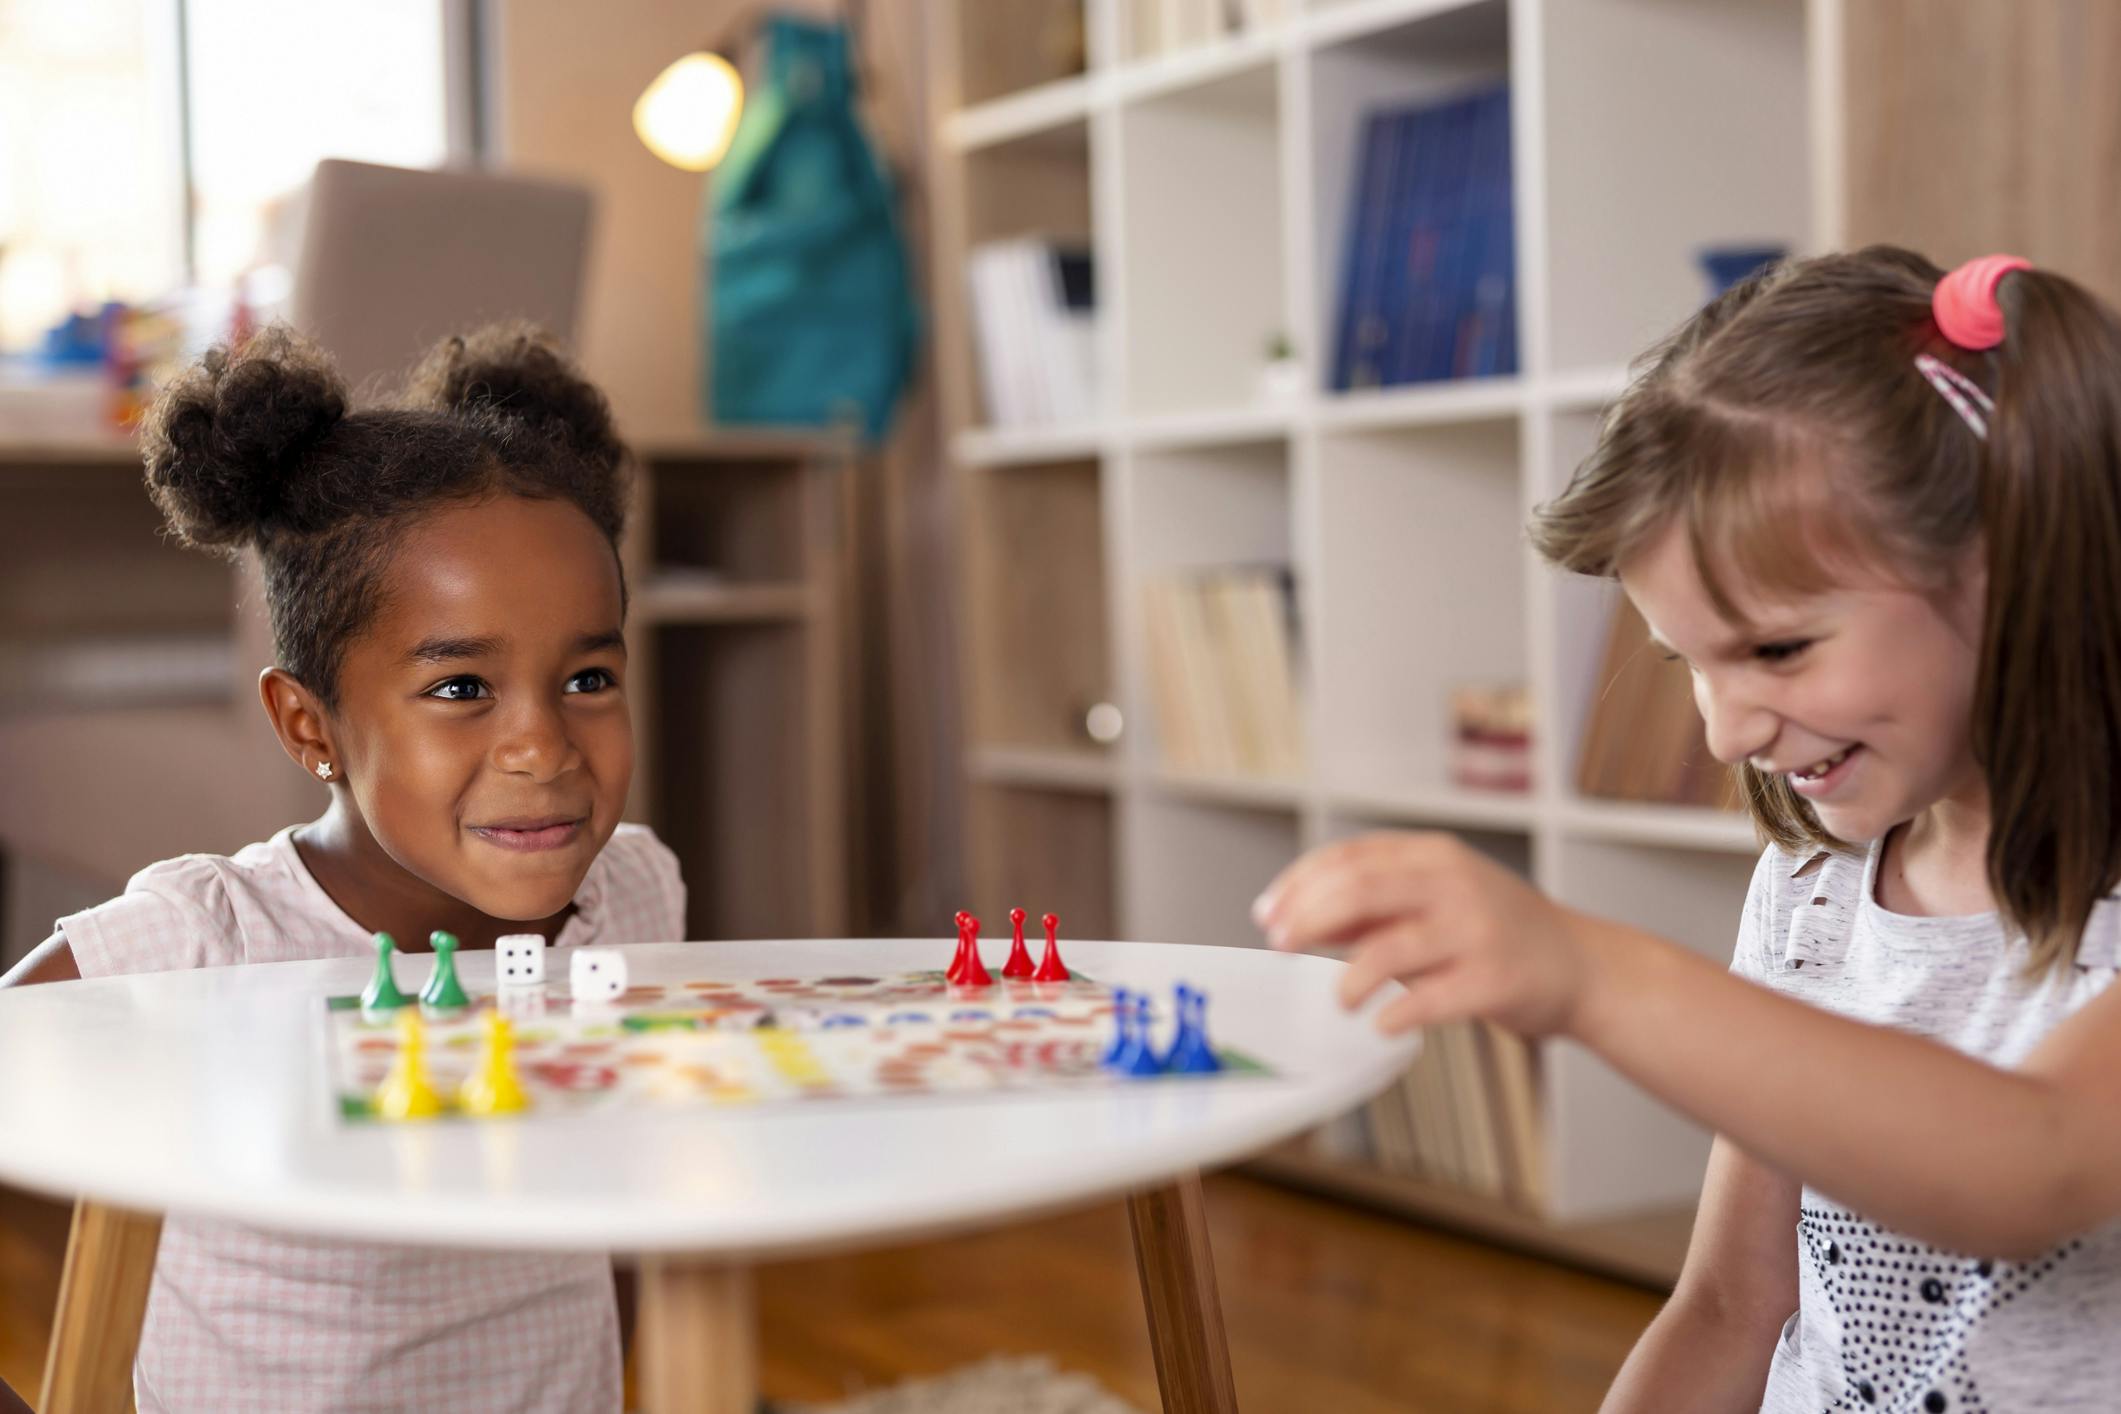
[1876, 509]
[448, 609]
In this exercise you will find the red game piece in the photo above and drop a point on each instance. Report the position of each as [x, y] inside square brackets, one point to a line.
[1050, 967]
[973, 972]
[1019, 964]
[957, 962]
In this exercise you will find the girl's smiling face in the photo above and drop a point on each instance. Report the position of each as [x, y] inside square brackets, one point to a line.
[1861, 696]
[482, 726]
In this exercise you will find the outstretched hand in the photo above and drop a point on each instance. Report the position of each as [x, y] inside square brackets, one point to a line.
[1464, 935]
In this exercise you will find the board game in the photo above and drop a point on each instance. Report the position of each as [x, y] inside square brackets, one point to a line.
[778, 1040]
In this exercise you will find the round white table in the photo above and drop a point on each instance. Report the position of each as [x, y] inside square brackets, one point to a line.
[206, 1093]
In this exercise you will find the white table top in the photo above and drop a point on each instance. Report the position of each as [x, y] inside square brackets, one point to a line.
[206, 1093]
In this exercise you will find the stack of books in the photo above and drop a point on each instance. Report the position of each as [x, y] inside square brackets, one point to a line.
[1645, 740]
[1222, 674]
[1429, 276]
[1465, 1115]
[1034, 320]
[1491, 738]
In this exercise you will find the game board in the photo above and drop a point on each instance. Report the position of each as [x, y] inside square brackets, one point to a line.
[759, 1043]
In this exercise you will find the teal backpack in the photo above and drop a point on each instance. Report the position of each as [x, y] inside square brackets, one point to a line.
[811, 306]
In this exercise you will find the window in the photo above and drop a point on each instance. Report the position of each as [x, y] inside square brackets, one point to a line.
[152, 145]
[91, 163]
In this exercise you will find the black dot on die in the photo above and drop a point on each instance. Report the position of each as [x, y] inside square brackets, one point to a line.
[1935, 1402]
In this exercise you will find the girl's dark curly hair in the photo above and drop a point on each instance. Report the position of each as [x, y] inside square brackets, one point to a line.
[255, 448]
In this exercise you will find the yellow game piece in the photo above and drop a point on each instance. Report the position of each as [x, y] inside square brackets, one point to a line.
[493, 1089]
[406, 1092]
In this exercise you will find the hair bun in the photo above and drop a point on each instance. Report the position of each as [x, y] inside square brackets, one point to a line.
[516, 372]
[225, 440]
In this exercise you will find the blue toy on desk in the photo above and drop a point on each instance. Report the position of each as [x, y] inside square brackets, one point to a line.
[1190, 1052]
[1131, 1053]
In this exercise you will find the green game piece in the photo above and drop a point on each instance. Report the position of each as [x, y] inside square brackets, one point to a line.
[442, 991]
[381, 993]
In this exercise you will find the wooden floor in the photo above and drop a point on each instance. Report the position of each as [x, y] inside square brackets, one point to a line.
[1328, 1307]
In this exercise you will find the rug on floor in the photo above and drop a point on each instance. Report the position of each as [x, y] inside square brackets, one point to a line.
[1016, 1384]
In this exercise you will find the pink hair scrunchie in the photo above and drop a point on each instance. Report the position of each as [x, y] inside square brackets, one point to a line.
[1965, 301]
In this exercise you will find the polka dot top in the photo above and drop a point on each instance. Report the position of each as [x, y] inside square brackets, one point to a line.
[1885, 1322]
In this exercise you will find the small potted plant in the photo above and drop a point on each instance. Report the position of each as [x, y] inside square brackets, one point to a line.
[1281, 376]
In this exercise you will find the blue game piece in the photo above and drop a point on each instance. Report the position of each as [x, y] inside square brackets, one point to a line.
[1122, 1027]
[1191, 1053]
[1184, 1035]
[1139, 1058]
[1131, 1053]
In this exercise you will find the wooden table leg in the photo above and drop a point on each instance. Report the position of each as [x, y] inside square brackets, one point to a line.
[698, 1333]
[1178, 1290]
[110, 1264]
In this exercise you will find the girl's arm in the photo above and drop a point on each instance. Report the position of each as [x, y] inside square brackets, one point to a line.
[1911, 1133]
[1710, 1347]
[50, 961]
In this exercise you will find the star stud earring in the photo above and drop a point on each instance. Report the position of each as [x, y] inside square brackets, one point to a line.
[324, 770]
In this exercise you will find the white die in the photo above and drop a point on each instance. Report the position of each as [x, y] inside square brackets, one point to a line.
[519, 960]
[596, 975]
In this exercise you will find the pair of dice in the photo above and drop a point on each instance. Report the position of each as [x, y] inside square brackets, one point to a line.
[593, 974]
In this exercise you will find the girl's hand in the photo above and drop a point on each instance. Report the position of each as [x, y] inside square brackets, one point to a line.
[1466, 936]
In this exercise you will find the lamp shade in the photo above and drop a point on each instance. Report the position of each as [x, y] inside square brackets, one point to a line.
[688, 115]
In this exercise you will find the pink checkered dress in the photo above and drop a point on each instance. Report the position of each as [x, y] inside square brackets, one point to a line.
[246, 1320]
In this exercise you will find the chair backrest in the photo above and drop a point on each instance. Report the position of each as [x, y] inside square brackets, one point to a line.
[394, 259]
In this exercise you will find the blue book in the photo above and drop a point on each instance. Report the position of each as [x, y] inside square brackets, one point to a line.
[1429, 352]
[1474, 292]
[1369, 206]
[1377, 310]
[1495, 351]
[1414, 236]
[1413, 239]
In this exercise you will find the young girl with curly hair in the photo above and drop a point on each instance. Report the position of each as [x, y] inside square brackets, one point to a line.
[448, 608]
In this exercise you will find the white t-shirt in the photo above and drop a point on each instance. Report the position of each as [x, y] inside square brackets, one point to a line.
[1885, 1322]
[240, 1319]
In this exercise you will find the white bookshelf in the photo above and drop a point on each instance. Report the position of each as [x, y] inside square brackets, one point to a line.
[1214, 186]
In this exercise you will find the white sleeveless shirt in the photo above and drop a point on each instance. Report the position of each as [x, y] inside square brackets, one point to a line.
[240, 1319]
[1886, 1322]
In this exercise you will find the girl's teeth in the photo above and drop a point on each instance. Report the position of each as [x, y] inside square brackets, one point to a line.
[1813, 773]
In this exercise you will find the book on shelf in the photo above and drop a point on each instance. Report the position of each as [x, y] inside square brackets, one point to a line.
[1034, 322]
[1465, 1115]
[1222, 670]
[1491, 738]
[1645, 740]
[1428, 270]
